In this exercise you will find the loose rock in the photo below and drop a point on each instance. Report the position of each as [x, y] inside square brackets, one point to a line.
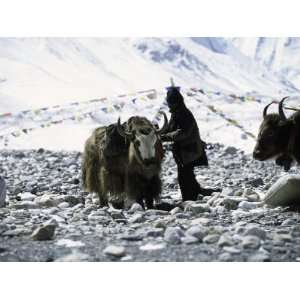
[173, 235]
[251, 242]
[44, 233]
[116, 251]
[211, 238]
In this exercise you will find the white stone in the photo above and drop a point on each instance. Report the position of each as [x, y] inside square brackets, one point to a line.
[211, 238]
[152, 247]
[197, 208]
[256, 231]
[136, 207]
[285, 192]
[137, 218]
[47, 200]
[44, 232]
[58, 219]
[201, 221]
[225, 257]
[251, 242]
[232, 250]
[175, 210]
[246, 205]
[196, 231]
[75, 256]
[25, 205]
[63, 205]
[259, 257]
[288, 222]
[189, 240]
[117, 251]
[225, 240]
[173, 235]
[69, 243]
[27, 196]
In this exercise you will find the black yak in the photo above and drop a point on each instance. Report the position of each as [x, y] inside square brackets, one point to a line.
[279, 137]
[125, 162]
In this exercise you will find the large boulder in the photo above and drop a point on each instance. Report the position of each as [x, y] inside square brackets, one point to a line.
[285, 192]
[2, 192]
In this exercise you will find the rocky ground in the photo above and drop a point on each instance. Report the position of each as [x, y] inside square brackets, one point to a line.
[48, 217]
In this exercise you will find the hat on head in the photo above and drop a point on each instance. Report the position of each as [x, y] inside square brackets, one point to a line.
[174, 97]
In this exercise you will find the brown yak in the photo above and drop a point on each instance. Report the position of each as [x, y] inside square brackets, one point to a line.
[125, 162]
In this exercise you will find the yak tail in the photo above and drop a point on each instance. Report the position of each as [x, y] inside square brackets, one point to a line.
[90, 170]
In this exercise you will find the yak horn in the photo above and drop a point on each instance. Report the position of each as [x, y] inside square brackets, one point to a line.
[122, 132]
[266, 109]
[280, 109]
[165, 125]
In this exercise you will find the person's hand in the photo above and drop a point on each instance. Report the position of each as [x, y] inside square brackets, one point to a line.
[169, 137]
[166, 137]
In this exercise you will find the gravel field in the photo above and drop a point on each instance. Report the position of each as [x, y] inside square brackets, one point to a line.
[48, 217]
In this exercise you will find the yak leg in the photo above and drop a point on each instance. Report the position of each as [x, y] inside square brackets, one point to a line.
[118, 205]
[132, 188]
[117, 201]
[102, 189]
[102, 199]
[133, 198]
[116, 187]
[140, 201]
[284, 161]
[152, 191]
[149, 203]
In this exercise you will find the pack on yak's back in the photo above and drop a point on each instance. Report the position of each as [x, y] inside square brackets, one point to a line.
[113, 143]
[285, 192]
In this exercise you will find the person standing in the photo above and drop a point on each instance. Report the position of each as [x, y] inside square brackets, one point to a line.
[188, 148]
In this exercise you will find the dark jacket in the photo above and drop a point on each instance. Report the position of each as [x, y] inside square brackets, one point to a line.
[188, 148]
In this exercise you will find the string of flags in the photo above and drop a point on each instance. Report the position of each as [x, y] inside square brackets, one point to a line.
[226, 118]
[142, 95]
[244, 98]
[19, 132]
[150, 94]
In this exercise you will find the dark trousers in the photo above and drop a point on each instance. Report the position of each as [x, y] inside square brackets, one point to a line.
[189, 186]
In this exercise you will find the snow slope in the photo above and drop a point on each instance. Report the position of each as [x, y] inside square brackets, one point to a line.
[35, 72]
[279, 55]
[39, 72]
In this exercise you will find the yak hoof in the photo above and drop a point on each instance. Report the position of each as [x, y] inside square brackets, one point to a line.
[103, 203]
[165, 206]
[117, 205]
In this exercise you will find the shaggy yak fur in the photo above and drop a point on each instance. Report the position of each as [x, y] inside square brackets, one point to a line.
[113, 165]
[279, 138]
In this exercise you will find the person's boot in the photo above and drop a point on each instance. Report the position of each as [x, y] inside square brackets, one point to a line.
[164, 206]
[208, 192]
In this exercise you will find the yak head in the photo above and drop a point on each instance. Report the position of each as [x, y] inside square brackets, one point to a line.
[144, 137]
[273, 134]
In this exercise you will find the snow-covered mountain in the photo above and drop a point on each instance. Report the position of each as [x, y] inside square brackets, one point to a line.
[35, 72]
[279, 55]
